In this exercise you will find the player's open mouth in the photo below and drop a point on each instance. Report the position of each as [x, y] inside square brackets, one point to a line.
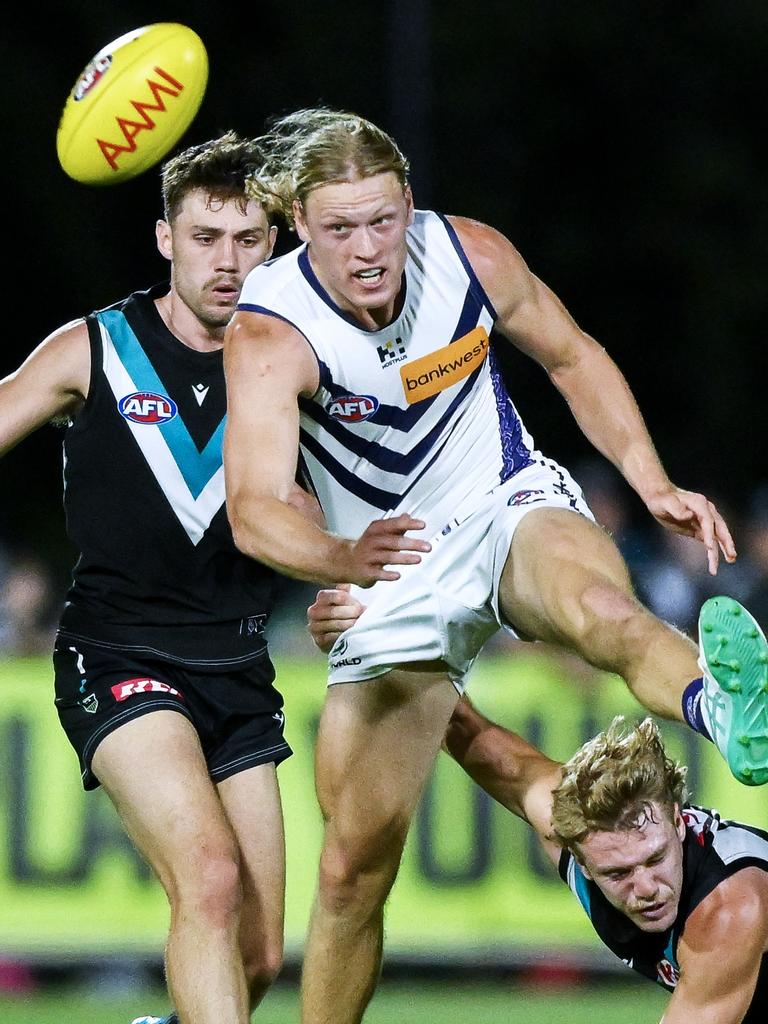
[371, 276]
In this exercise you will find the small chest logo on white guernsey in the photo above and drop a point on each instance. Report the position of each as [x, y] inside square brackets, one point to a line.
[147, 407]
[352, 408]
[391, 352]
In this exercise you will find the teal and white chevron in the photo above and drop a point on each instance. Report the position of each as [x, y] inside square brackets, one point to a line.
[192, 480]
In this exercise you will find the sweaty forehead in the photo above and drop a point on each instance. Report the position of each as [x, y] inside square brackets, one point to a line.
[354, 197]
[624, 847]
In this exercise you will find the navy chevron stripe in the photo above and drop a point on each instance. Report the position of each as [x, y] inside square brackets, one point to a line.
[378, 455]
[385, 500]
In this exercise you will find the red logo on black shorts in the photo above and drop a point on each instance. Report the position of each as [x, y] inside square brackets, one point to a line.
[122, 691]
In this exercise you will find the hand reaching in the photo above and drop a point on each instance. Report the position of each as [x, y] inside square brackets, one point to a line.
[332, 612]
[384, 543]
[695, 516]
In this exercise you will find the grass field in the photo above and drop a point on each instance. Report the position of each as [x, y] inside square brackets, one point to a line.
[394, 1003]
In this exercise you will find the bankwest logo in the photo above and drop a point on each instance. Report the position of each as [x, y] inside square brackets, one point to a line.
[122, 691]
[129, 127]
[432, 374]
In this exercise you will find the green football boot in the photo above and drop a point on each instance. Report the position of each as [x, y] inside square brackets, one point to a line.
[170, 1019]
[733, 655]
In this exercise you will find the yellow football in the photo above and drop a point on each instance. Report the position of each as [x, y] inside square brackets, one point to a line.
[132, 104]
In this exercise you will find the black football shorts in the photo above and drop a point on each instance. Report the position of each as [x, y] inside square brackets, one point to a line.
[238, 714]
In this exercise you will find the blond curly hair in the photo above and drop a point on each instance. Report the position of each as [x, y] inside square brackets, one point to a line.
[611, 781]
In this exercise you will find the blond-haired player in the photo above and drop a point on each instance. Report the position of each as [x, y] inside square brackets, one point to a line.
[368, 351]
[676, 891]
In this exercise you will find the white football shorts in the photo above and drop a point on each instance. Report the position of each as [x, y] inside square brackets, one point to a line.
[446, 607]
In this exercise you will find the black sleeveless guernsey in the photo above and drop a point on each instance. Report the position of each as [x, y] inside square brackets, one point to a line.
[158, 570]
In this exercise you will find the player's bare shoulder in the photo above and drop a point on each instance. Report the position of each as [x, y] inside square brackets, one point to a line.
[263, 347]
[50, 385]
[61, 364]
[499, 267]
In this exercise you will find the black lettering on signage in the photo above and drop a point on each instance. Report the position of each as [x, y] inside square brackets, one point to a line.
[98, 833]
[476, 828]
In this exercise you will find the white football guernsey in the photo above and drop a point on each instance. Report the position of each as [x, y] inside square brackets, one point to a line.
[415, 417]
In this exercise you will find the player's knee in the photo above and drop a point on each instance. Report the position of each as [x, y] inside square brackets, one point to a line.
[360, 870]
[604, 602]
[209, 888]
[614, 621]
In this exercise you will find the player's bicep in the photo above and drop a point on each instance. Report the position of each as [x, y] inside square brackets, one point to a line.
[267, 366]
[720, 953]
[51, 382]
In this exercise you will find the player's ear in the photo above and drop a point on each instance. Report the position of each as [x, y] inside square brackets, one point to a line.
[272, 240]
[409, 204]
[678, 822]
[299, 221]
[584, 869]
[163, 236]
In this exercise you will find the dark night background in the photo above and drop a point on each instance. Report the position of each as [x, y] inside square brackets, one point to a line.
[621, 146]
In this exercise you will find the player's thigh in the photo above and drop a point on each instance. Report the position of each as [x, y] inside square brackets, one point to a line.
[376, 744]
[154, 771]
[251, 801]
[562, 572]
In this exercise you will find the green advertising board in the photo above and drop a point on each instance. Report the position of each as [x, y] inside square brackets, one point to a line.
[473, 883]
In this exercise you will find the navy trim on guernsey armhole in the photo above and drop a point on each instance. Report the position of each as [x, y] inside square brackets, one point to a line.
[475, 282]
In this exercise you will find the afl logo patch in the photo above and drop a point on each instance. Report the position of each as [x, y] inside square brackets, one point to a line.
[668, 973]
[147, 407]
[352, 408]
[525, 498]
[92, 74]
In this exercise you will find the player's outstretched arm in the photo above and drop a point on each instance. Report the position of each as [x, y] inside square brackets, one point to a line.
[507, 767]
[532, 317]
[51, 382]
[720, 952]
[268, 365]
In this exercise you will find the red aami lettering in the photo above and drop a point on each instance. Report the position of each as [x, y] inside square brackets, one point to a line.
[121, 691]
[129, 128]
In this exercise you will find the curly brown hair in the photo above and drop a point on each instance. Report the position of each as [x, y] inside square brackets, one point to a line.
[219, 167]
